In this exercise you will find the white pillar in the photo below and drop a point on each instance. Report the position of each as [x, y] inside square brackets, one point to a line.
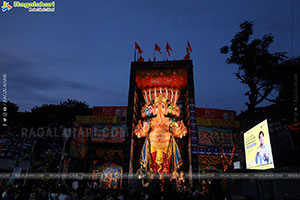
[150, 95]
[145, 96]
[167, 93]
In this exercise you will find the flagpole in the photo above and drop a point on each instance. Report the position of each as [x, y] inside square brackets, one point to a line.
[134, 54]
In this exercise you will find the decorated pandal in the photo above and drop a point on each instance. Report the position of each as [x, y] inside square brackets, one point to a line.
[109, 176]
[160, 153]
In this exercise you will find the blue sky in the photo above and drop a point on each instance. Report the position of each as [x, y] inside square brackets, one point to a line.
[83, 51]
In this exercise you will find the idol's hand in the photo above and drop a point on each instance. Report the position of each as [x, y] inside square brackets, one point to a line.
[141, 130]
[179, 129]
[146, 127]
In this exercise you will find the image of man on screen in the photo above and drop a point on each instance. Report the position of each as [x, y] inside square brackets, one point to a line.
[263, 155]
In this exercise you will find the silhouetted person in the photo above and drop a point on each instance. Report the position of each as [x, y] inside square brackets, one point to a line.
[168, 190]
[135, 188]
[156, 188]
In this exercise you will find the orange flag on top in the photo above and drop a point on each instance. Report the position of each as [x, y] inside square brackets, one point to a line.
[138, 48]
[157, 48]
[187, 50]
[141, 59]
[187, 55]
[168, 48]
[189, 46]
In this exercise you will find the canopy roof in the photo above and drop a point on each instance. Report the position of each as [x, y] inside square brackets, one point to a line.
[171, 78]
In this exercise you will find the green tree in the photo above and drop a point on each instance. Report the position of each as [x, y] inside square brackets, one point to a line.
[61, 114]
[254, 62]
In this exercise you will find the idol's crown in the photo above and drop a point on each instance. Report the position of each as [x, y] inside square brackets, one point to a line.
[163, 94]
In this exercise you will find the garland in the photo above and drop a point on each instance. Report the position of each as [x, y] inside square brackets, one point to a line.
[228, 162]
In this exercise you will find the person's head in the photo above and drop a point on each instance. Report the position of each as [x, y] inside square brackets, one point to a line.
[9, 191]
[261, 137]
[151, 176]
[181, 173]
[174, 175]
[87, 192]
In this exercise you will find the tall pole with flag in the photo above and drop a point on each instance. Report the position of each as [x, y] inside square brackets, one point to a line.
[134, 56]
[168, 49]
[188, 51]
[138, 48]
[156, 48]
[189, 46]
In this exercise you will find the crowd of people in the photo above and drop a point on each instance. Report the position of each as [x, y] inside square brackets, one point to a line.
[89, 190]
[17, 146]
[137, 189]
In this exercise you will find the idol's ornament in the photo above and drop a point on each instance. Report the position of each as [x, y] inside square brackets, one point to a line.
[160, 153]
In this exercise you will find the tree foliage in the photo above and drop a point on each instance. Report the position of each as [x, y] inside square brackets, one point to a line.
[254, 63]
[62, 114]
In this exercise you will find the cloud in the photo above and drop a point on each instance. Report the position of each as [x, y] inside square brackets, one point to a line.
[10, 63]
[28, 87]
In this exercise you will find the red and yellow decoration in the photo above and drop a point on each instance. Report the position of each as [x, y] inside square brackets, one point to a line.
[160, 153]
[161, 80]
[225, 161]
[109, 175]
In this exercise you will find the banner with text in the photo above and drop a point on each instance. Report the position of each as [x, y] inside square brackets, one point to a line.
[120, 111]
[215, 113]
[214, 136]
[100, 120]
[218, 123]
[108, 133]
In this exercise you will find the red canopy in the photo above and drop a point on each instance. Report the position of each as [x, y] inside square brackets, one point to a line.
[161, 78]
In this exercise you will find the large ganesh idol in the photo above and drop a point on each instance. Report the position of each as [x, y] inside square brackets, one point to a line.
[160, 153]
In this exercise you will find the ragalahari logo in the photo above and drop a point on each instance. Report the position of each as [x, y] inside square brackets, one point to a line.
[6, 6]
